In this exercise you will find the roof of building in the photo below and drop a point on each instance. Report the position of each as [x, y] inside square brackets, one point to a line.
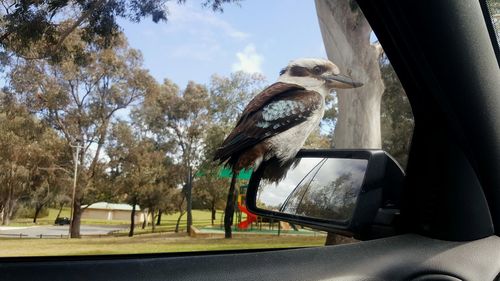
[111, 206]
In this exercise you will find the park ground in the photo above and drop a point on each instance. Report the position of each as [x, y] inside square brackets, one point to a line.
[162, 241]
[147, 243]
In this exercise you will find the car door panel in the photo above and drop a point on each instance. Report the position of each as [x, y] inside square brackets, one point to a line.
[404, 257]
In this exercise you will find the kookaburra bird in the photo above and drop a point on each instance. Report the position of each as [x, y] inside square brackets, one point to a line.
[276, 122]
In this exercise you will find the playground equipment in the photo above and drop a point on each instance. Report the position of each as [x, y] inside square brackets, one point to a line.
[243, 175]
[241, 206]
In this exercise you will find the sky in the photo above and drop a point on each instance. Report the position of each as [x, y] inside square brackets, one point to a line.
[255, 36]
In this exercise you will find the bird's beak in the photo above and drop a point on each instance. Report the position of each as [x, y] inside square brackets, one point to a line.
[341, 81]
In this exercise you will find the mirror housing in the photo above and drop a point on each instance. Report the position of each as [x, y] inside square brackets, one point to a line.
[377, 204]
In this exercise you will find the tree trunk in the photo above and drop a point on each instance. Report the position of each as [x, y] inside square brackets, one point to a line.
[229, 212]
[346, 35]
[189, 200]
[178, 222]
[132, 220]
[146, 218]
[214, 211]
[153, 225]
[38, 208]
[158, 221]
[60, 210]
[77, 204]
[77, 218]
[8, 206]
[5, 215]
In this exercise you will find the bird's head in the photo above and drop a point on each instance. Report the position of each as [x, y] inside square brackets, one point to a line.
[316, 74]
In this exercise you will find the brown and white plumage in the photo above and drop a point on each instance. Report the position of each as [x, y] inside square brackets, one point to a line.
[276, 123]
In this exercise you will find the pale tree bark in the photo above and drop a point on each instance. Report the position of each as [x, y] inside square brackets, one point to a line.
[77, 218]
[346, 35]
[145, 213]
[7, 208]
[10, 201]
[153, 225]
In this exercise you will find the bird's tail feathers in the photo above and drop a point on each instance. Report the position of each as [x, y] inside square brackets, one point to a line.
[277, 170]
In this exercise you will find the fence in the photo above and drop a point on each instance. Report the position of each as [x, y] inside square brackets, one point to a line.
[167, 226]
[55, 236]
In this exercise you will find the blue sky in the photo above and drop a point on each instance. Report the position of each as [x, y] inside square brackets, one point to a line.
[257, 36]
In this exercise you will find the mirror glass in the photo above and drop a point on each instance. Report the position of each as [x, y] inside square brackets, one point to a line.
[324, 188]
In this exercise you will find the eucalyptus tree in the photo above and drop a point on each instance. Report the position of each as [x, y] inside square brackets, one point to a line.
[140, 169]
[228, 98]
[79, 96]
[360, 122]
[29, 155]
[25, 24]
[181, 116]
[209, 190]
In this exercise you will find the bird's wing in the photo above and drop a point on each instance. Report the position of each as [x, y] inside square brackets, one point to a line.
[273, 111]
[265, 96]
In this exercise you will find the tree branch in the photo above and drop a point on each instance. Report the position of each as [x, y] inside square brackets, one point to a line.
[84, 16]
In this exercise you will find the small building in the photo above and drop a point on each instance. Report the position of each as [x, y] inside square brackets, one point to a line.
[111, 211]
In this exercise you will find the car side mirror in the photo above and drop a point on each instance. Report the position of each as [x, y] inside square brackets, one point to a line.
[349, 192]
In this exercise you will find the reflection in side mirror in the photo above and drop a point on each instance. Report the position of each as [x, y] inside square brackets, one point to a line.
[350, 192]
[317, 187]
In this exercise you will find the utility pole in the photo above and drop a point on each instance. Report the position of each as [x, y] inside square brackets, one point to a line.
[75, 177]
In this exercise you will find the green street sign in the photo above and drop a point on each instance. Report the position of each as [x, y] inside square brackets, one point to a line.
[227, 173]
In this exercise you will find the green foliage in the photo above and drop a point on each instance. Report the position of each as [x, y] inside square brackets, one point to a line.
[318, 140]
[29, 212]
[38, 29]
[78, 96]
[30, 153]
[230, 95]
[141, 173]
[181, 117]
[74, 71]
[210, 190]
[396, 117]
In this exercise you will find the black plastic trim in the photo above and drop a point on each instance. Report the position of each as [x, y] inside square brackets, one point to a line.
[380, 189]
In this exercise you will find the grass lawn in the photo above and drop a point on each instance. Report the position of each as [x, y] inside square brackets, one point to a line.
[45, 220]
[145, 243]
[148, 243]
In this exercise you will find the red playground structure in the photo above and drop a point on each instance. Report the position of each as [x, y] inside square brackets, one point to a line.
[241, 205]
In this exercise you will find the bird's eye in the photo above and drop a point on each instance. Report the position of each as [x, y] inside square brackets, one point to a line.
[317, 69]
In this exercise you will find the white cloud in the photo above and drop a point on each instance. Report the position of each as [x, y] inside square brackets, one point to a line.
[202, 31]
[248, 60]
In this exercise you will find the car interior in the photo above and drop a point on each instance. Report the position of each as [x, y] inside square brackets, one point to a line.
[448, 201]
